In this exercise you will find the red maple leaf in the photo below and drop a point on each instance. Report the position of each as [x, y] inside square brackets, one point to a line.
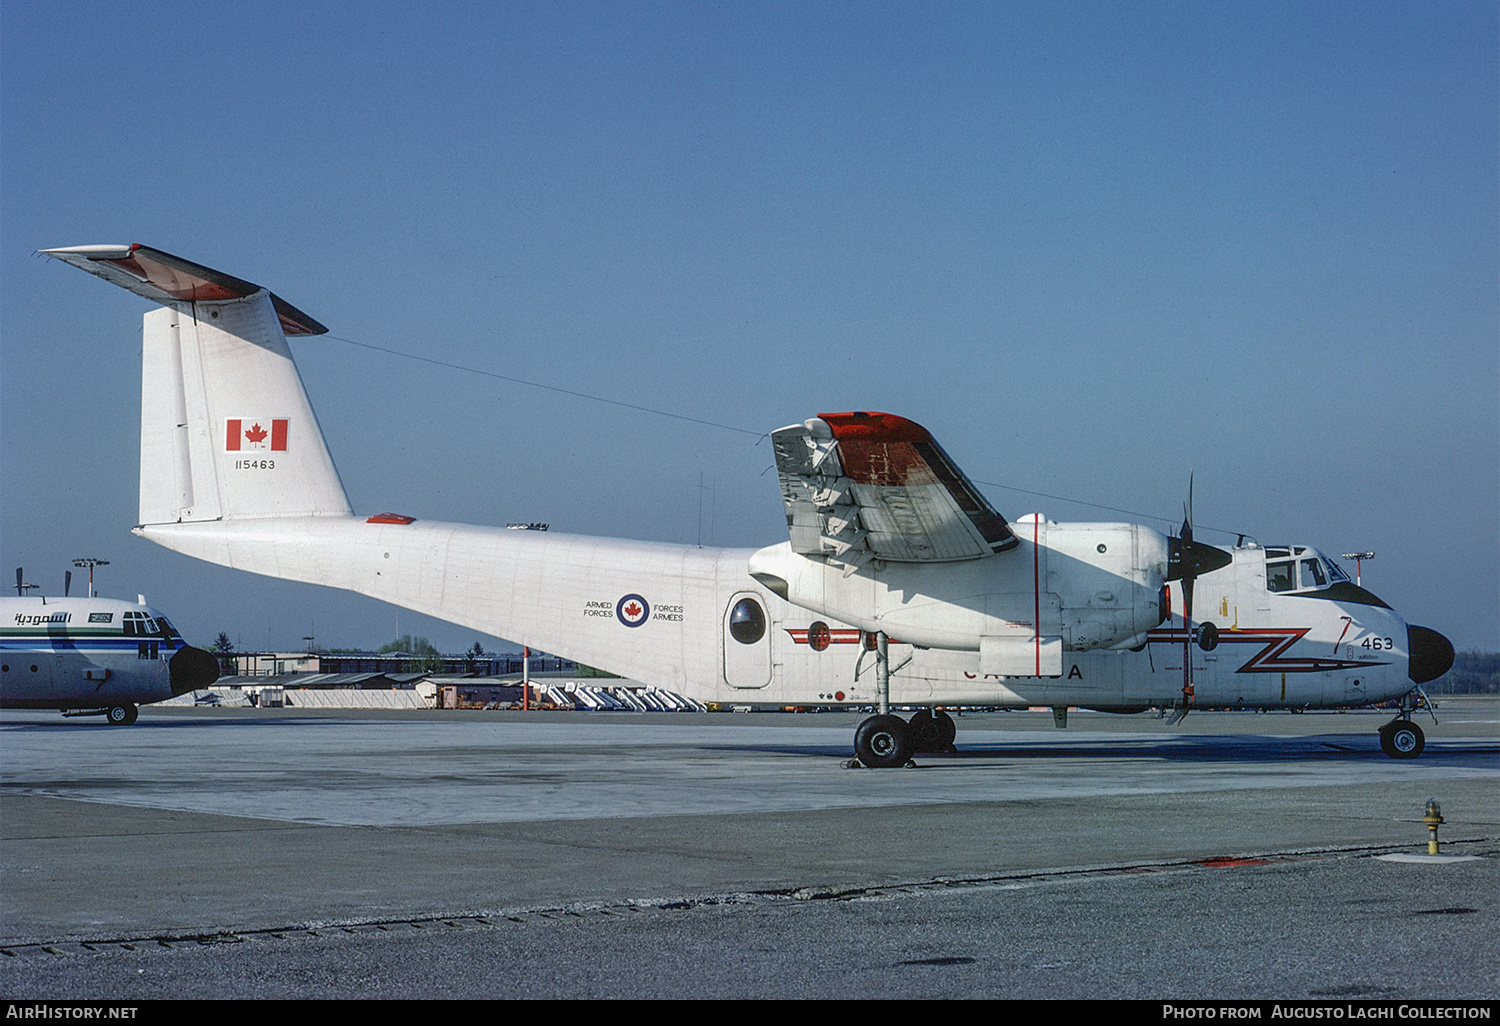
[256, 433]
[632, 610]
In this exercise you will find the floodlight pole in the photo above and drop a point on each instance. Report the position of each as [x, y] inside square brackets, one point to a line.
[90, 563]
[1358, 557]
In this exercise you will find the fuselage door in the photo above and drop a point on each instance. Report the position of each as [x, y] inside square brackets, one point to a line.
[747, 642]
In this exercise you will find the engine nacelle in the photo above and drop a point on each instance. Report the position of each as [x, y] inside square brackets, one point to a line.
[1065, 587]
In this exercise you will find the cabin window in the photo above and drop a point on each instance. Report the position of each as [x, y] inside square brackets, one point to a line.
[747, 621]
[1281, 576]
[1312, 574]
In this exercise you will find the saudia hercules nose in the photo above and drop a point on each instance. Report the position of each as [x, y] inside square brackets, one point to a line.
[192, 668]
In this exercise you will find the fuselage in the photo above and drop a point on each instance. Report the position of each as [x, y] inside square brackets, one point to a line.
[695, 621]
[93, 653]
[887, 541]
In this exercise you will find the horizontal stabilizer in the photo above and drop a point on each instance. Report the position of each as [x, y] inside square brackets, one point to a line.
[166, 279]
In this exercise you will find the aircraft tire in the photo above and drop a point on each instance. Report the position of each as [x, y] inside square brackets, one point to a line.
[932, 731]
[883, 741]
[924, 732]
[1402, 740]
[121, 715]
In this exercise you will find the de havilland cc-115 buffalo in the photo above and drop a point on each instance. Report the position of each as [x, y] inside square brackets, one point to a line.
[899, 584]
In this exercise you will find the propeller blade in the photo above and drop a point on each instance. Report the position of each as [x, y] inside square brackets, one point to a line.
[1186, 559]
[1187, 512]
[67, 582]
[18, 583]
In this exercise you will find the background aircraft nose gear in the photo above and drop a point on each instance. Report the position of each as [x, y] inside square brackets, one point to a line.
[121, 715]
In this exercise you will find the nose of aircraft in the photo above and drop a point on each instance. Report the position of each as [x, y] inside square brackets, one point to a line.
[192, 668]
[1431, 654]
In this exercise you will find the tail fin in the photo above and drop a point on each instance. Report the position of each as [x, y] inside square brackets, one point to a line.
[226, 428]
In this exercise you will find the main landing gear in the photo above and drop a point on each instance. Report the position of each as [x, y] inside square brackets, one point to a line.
[885, 739]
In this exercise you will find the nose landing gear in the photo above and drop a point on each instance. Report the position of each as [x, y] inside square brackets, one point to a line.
[120, 715]
[1401, 738]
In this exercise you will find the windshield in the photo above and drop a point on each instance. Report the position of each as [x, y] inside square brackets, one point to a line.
[137, 624]
[1298, 568]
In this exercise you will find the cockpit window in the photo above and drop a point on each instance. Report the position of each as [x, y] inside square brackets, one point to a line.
[1281, 576]
[137, 624]
[1298, 568]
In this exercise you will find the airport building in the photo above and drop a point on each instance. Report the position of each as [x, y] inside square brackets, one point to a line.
[273, 664]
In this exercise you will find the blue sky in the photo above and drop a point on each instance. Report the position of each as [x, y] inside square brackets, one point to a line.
[1093, 247]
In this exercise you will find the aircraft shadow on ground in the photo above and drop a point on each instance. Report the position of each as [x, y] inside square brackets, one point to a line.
[173, 723]
[1202, 749]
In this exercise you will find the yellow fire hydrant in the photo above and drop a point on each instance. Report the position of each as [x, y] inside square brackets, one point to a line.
[1432, 819]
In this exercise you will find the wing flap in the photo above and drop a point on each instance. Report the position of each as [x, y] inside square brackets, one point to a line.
[873, 485]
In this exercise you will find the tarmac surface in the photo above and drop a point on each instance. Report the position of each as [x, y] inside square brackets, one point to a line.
[370, 853]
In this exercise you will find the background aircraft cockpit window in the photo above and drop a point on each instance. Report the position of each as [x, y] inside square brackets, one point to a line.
[136, 624]
[1281, 576]
[1312, 574]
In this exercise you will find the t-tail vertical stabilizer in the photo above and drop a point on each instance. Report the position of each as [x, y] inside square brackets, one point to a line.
[226, 428]
[234, 471]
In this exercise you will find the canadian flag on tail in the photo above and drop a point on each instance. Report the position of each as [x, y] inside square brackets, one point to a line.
[249, 434]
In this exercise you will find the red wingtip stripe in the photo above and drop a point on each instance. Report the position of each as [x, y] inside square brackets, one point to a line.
[874, 427]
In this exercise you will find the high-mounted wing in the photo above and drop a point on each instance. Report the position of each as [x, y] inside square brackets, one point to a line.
[168, 279]
[862, 486]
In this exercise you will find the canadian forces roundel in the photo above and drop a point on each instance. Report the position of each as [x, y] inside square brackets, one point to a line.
[632, 610]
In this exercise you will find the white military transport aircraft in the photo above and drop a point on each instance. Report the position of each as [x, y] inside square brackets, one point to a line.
[893, 555]
[94, 655]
